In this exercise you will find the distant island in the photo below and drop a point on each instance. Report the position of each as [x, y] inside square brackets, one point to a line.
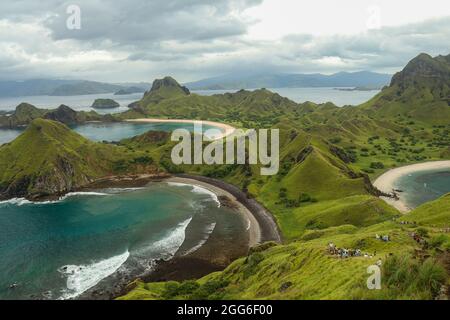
[359, 79]
[368, 88]
[129, 90]
[105, 104]
[50, 87]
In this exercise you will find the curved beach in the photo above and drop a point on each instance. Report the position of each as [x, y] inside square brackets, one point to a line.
[215, 254]
[386, 182]
[227, 129]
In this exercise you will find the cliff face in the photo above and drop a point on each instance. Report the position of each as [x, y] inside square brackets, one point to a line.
[162, 89]
[420, 92]
[425, 71]
[63, 114]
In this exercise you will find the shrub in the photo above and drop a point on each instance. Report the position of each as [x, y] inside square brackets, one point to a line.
[422, 232]
[251, 264]
[377, 165]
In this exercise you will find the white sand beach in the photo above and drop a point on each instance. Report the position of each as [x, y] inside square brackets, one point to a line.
[386, 182]
[227, 129]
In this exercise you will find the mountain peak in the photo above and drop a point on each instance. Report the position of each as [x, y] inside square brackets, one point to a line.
[165, 88]
[424, 71]
[168, 82]
[63, 114]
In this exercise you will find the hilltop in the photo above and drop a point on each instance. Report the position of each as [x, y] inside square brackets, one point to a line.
[421, 91]
[25, 113]
[168, 99]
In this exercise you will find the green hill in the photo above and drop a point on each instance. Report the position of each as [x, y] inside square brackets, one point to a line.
[168, 99]
[421, 91]
[304, 269]
[50, 159]
[105, 104]
[25, 113]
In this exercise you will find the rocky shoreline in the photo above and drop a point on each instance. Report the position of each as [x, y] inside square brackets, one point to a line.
[268, 226]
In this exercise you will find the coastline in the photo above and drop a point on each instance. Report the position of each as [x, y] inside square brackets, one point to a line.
[386, 182]
[268, 227]
[227, 199]
[225, 127]
[215, 254]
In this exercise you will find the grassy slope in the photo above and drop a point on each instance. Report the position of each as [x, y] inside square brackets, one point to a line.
[50, 158]
[434, 213]
[304, 270]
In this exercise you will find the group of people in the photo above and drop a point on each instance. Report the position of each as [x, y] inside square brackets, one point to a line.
[408, 222]
[346, 253]
[384, 238]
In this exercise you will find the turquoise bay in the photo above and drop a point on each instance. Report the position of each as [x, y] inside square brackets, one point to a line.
[423, 186]
[61, 249]
[114, 131]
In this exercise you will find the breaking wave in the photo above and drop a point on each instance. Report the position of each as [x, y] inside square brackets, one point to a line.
[81, 278]
[166, 247]
[198, 190]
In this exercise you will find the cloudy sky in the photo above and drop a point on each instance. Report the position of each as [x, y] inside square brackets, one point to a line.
[139, 40]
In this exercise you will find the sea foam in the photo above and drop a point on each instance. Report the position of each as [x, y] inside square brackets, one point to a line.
[166, 247]
[22, 201]
[198, 190]
[15, 201]
[81, 278]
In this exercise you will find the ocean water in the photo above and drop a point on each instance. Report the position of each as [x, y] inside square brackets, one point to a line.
[60, 249]
[424, 186]
[113, 131]
[84, 102]
[79, 103]
[317, 95]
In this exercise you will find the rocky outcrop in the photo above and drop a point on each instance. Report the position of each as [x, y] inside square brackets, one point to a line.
[167, 82]
[63, 114]
[23, 115]
[162, 89]
[341, 154]
[425, 71]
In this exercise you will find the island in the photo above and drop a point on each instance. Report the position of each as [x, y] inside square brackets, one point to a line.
[105, 104]
[129, 90]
